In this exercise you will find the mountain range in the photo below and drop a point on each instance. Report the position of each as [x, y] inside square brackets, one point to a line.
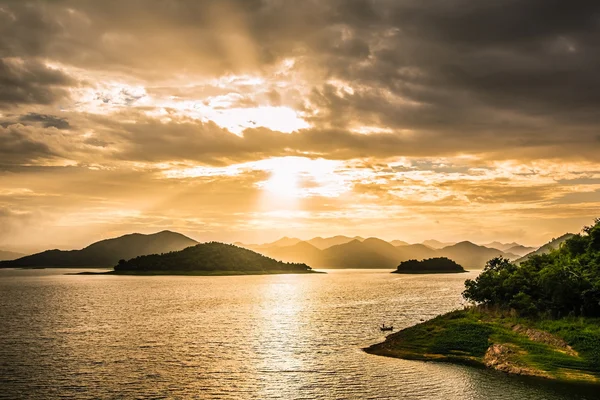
[347, 252]
[329, 252]
[106, 253]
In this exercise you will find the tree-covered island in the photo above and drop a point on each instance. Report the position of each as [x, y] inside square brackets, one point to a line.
[208, 259]
[539, 318]
[436, 265]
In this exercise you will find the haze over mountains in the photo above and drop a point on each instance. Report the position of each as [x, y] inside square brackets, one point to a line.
[319, 252]
[356, 252]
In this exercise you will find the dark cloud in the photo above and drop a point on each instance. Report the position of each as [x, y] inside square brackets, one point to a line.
[30, 82]
[470, 65]
[143, 138]
[19, 145]
[47, 121]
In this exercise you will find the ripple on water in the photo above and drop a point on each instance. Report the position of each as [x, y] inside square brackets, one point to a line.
[254, 337]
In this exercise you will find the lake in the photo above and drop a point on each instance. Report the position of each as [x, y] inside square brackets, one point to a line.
[232, 337]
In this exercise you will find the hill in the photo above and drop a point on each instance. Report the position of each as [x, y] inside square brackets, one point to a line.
[520, 250]
[106, 253]
[438, 265]
[302, 252]
[436, 244]
[356, 254]
[213, 258]
[9, 255]
[416, 251]
[399, 243]
[500, 245]
[377, 253]
[382, 247]
[324, 243]
[545, 249]
[471, 255]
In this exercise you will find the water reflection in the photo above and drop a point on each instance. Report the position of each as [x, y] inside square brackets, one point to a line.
[286, 336]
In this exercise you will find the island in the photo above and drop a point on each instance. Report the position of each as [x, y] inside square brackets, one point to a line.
[211, 258]
[436, 265]
[539, 318]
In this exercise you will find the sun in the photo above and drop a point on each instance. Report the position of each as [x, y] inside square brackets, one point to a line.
[284, 179]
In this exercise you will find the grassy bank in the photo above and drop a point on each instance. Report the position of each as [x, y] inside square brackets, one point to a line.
[565, 349]
[198, 273]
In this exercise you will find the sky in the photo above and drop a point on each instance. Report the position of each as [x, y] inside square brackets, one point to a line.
[253, 119]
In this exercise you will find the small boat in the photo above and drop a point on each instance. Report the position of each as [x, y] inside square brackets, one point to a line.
[386, 328]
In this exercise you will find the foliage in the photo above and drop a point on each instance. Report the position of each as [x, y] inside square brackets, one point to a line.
[437, 264]
[211, 256]
[464, 336]
[564, 282]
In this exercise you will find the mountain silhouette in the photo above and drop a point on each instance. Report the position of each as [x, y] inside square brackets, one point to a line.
[106, 253]
[376, 253]
[470, 255]
[436, 244]
[324, 243]
[300, 252]
[500, 245]
[357, 254]
[545, 249]
[520, 250]
[416, 252]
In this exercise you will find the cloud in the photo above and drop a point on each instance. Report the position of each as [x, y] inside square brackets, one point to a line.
[436, 110]
[30, 82]
[21, 145]
[47, 121]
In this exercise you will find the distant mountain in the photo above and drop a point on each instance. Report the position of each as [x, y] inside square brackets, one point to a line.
[470, 255]
[323, 243]
[106, 253]
[382, 247]
[398, 243]
[284, 241]
[302, 252]
[9, 255]
[377, 253]
[520, 250]
[501, 246]
[435, 244]
[207, 257]
[357, 254]
[545, 249]
[416, 252]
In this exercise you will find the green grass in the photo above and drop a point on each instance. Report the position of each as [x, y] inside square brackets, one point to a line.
[464, 336]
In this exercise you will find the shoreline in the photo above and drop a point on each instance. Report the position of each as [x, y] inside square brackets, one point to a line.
[493, 340]
[428, 272]
[195, 273]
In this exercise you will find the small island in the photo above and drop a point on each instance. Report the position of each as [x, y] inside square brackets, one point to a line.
[437, 265]
[211, 258]
[540, 318]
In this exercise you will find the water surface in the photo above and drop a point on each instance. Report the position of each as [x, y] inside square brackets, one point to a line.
[232, 337]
